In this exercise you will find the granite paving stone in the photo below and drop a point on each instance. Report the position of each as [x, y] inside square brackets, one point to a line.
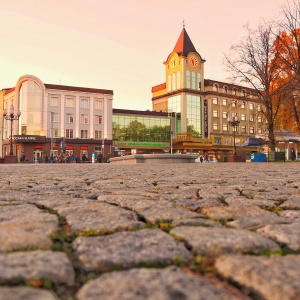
[25, 226]
[139, 284]
[129, 249]
[286, 234]
[185, 231]
[244, 216]
[24, 293]
[204, 239]
[274, 278]
[36, 265]
[85, 215]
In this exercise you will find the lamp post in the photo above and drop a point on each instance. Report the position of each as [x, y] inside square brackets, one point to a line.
[171, 131]
[234, 122]
[12, 117]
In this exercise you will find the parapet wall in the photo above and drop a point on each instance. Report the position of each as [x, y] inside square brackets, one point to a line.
[154, 159]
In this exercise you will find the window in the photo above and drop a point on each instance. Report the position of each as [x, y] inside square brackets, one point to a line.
[70, 118]
[99, 104]
[84, 119]
[258, 107]
[225, 114]
[233, 91]
[69, 102]
[251, 130]
[259, 130]
[251, 106]
[216, 126]
[98, 119]
[225, 89]
[259, 119]
[233, 104]
[243, 117]
[215, 87]
[243, 129]
[224, 102]
[216, 113]
[225, 127]
[251, 118]
[84, 134]
[84, 103]
[54, 132]
[188, 79]
[243, 104]
[69, 133]
[98, 134]
[215, 101]
[243, 93]
[54, 101]
[55, 117]
[250, 95]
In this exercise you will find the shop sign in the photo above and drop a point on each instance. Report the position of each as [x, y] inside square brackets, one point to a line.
[144, 144]
[29, 138]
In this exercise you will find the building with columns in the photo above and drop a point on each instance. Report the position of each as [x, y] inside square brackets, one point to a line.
[57, 119]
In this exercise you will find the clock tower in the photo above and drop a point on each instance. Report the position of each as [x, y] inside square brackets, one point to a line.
[182, 93]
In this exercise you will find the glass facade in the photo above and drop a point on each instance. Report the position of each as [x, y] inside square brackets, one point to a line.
[174, 106]
[141, 128]
[193, 115]
[31, 106]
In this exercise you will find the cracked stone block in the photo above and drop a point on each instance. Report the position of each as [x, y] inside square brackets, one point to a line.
[24, 293]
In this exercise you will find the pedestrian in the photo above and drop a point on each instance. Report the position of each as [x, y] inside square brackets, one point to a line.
[23, 158]
[83, 157]
[201, 159]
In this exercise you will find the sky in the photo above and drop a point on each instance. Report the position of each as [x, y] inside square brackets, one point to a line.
[119, 44]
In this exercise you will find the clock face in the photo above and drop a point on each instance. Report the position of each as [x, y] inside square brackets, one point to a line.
[193, 61]
[173, 62]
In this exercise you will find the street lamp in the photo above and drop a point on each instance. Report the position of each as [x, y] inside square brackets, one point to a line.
[12, 117]
[234, 122]
[170, 114]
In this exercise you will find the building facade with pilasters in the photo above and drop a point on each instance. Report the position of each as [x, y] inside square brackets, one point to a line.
[58, 119]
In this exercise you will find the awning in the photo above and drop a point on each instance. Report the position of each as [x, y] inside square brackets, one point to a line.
[254, 142]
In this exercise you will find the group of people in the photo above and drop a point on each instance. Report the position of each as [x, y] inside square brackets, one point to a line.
[63, 158]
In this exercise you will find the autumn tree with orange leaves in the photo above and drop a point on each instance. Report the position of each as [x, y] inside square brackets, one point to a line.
[288, 46]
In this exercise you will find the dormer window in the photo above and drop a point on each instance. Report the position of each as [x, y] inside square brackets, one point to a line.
[243, 93]
[215, 87]
[225, 89]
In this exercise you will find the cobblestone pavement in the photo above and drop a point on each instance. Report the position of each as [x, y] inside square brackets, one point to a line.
[182, 231]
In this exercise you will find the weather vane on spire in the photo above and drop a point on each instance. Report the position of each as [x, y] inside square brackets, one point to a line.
[183, 23]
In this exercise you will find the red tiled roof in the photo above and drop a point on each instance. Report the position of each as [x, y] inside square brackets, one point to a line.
[158, 87]
[77, 89]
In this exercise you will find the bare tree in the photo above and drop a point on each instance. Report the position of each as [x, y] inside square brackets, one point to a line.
[253, 62]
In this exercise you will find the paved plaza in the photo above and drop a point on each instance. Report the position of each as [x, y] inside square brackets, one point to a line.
[175, 231]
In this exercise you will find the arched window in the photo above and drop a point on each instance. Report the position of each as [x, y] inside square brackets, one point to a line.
[233, 91]
[178, 80]
[169, 83]
[193, 80]
[188, 79]
[243, 93]
[225, 89]
[215, 87]
[173, 81]
[199, 81]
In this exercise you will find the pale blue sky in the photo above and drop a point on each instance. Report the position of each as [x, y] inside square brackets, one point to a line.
[117, 44]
